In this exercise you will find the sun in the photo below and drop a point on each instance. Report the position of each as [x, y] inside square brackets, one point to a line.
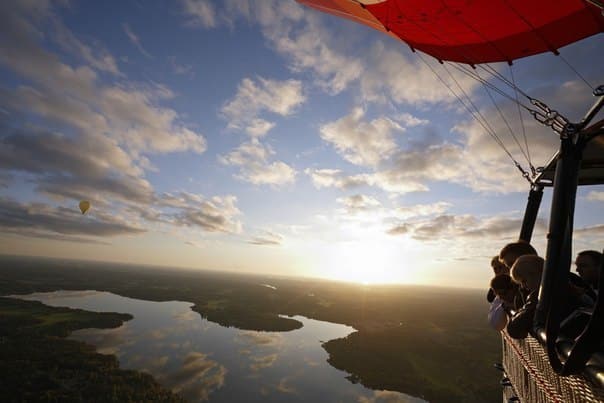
[364, 262]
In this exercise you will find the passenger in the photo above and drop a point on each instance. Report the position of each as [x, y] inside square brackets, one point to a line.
[507, 301]
[589, 264]
[513, 251]
[498, 268]
[526, 272]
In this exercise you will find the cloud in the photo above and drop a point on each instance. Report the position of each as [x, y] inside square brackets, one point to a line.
[135, 40]
[95, 135]
[395, 74]
[400, 229]
[335, 178]
[408, 120]
[462, 227]
[265, 361]
[181, 69]
[259, 127]
[267, 238]
[216, 214]
[358, 203]
[361, 142]
[595, 196]
[42, 220]
[74, 98]
[262, 95]
[298, 34]
[406, 212]
[387, 396]
[5, 180]
[202, 13]
[594, 230]
[252, 159]
[198, 377]
[97, 56]
[285, 385]
[259, 339]
[81, 168]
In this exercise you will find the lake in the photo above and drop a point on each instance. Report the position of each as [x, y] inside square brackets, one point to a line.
[203, 361]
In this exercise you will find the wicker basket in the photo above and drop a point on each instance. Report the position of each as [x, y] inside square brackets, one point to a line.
[526, 365]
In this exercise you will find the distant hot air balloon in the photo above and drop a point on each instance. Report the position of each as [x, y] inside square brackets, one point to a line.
[84, 206]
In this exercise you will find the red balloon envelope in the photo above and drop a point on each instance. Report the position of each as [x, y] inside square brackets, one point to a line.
[474, 31]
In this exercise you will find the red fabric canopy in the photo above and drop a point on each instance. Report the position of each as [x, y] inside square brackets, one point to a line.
[474, 31]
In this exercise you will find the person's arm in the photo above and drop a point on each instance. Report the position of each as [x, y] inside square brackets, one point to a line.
[522, 322]
[497, 316]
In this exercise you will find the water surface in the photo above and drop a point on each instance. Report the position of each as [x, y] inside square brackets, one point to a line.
[203, 361]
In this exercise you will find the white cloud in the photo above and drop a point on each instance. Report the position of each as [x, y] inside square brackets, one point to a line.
[215, 214]
[73, 96]
[266, 238]
[335, 178]
[259, 127]
[594, 230]
[135, 40]
[42, 220]
[295, 32]
[465, 227]
[408, 120]
[98, 57]
[197, 378]
[358, 203]
[202, 13]
[361, 142]
[93, 139]
[181, 69]
[406, 212]
[262, 95]
[252, 159]
[393, 74]
[595, 196]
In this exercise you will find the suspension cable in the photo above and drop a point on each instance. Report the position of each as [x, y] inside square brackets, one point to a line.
[528, 150]
[466, 70]
[570, 66]
[501, 114]
[543, 114]
[484, 124]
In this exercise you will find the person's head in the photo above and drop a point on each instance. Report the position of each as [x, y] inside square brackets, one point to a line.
[512, 251]
[498, 267]
[527, 270]
[504, 287]
[588, 264]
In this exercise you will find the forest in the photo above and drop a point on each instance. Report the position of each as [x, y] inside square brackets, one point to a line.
[37, 362]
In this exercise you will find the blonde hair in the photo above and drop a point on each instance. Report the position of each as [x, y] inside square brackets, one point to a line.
[528, 268]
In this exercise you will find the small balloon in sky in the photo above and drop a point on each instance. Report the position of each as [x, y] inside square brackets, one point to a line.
[84, 206]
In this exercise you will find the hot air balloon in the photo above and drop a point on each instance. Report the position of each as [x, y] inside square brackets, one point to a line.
[84, 206]
[466, 35]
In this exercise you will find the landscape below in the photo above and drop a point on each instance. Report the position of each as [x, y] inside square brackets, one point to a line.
[430, 342]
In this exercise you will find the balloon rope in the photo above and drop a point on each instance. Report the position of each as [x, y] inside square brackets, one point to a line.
[461, 101]
[576, 72]
[507, 124]
[528, 150]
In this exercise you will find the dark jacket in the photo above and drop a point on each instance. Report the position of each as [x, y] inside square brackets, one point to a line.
[522, 322]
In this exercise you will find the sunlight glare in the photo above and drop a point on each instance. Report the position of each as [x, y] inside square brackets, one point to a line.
[366, 262]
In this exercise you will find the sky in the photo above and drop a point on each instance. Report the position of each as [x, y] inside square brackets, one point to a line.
[266, 137]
